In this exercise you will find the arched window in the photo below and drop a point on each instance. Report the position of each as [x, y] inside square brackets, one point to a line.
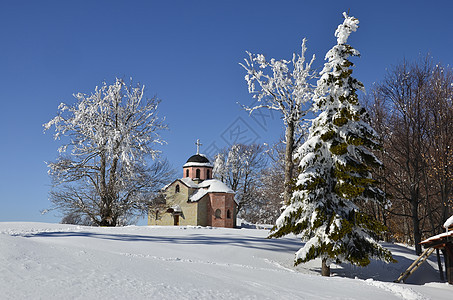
[208, 175]
[187, 173]
[177, 188]
[228, 214]
[197, 173]
[218, 214]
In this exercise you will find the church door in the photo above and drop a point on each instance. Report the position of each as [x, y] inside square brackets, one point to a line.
[176, 220]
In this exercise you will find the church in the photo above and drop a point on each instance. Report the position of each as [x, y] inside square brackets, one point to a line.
[196, 198]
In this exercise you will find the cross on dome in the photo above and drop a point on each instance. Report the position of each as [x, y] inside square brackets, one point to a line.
[198, 146]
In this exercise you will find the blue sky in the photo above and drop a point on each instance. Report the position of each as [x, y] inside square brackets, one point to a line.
[187, 54]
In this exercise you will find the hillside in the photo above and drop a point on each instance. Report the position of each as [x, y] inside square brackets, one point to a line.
[53, 261]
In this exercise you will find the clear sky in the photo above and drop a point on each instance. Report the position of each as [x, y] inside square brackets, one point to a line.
[186, 53]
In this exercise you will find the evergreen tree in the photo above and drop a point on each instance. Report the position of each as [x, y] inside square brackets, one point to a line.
[336, 162]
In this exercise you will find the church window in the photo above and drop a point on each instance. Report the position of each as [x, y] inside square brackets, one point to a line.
[218, 214]
[187, 173]
[208, 175]
[177, 188]
[197, 173]
[228, 214]
[157, 214]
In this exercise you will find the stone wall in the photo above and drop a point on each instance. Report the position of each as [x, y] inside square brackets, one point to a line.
[222, 210]
[189, 211]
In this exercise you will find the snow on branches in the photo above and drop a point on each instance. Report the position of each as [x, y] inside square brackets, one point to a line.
[109, 135]
[335, 163]
[285, 89]
[281, 88]
[112, 121]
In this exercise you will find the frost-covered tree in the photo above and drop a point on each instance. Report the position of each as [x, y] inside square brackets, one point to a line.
[336, 162]
[219, 170]
[283, 86]
[239, 167]
[110, 136]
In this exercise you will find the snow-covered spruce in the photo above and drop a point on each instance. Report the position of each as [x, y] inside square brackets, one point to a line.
[335, 163]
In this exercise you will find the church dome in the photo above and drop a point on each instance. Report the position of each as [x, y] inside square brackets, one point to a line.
[198, 158]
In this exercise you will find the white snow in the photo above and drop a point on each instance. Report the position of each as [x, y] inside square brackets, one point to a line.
[209, 186]
[200, 193]
[215, 186]
[449, 222]
[438, 237]
[206, 186]
[53, 261]
[189, 182]
[197, 164]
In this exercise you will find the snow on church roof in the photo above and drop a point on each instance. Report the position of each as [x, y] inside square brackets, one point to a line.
[209, 186]
[198, 195]
[215, 186]
[187, 181]
[197, 164]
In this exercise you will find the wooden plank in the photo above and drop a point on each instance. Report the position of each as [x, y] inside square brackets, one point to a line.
[414, 266]
[419, 263]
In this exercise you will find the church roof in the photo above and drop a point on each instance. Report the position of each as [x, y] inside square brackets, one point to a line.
[201, 158]
[209, 186]
[203, 188]
[189, 182]
[198, 160]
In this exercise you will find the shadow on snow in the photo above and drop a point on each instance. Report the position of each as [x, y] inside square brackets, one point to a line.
[377, 270]
[281, 245]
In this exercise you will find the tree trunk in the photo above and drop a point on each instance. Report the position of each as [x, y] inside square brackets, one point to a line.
[439, 265]
[325, 270]
[431, 220]
[448, 256]
[105, 212]
[416, 227]
[107, 215]
[289, 163]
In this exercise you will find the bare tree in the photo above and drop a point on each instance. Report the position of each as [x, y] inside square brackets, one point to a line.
[378, 116]
[284, 90]
[405, 90]
[440, 157]
[110, 136]
[271, 192]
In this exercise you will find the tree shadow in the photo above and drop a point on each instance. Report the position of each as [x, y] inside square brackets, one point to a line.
[376, 270]
[281, 245]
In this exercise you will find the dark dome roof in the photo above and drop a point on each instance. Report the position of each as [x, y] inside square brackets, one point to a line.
[198, 158]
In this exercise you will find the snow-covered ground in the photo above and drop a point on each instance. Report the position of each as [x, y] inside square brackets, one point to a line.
[53, 261]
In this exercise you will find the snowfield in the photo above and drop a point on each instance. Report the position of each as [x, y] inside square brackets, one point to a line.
[55, 261]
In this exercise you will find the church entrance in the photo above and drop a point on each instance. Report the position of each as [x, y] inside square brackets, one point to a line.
[176, 220]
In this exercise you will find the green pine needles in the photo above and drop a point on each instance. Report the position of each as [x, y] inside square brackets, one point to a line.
[336, 162]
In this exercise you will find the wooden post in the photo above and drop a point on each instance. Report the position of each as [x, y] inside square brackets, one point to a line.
[449, 262]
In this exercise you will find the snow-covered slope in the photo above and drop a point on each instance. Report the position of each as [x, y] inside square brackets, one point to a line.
[53, 261]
